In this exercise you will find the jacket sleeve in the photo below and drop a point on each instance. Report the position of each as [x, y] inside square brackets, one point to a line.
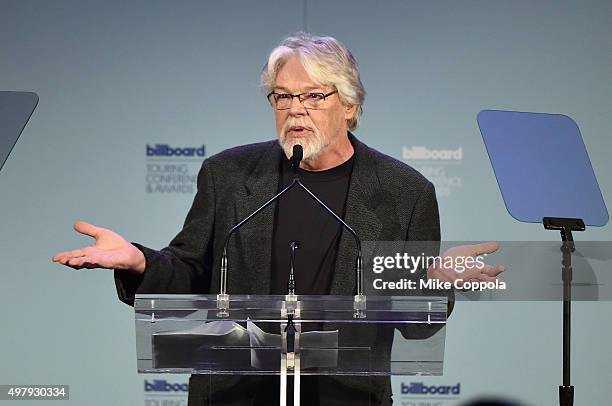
[425, 227]
[184, 266]
[425, 220]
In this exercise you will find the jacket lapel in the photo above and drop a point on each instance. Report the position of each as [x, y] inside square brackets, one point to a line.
[253, 242]
[254, 239]
[361, 215]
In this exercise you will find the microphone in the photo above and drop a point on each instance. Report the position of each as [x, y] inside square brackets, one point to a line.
[298, 155]
[291, 282]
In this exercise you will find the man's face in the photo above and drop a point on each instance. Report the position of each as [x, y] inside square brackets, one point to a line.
[318, 131]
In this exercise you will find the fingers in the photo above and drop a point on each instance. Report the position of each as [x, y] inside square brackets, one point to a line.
[482, 272]
[64, 256]
[484, 248]
[83, 228]
[482, 278]
[89, 257]
[87, 229]
[486, 273]
[81, 262]
[65, 259]
[493, 270]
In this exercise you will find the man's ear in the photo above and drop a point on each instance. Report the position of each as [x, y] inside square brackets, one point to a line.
[349, 112]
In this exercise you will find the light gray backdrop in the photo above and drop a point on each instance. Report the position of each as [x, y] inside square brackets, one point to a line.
[115, 76]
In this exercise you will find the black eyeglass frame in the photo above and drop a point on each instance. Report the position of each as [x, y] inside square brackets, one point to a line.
[299, 96]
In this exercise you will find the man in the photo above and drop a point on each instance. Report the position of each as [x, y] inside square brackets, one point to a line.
[314, 88]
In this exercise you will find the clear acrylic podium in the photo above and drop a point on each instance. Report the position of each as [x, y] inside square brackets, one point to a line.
[290, 336]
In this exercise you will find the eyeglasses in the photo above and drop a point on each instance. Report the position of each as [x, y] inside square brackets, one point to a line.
[282, 101]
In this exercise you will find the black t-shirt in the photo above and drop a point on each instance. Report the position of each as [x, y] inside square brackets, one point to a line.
[300, 218]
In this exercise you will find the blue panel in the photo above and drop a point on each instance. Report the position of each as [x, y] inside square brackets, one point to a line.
[15, 111]
[542, 166]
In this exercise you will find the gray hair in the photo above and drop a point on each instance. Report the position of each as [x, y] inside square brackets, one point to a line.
[327, 61]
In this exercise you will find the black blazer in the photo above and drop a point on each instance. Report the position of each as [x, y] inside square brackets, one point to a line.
[387, 201]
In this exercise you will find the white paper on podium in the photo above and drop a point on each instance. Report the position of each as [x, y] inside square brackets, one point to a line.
[212, 328]
[318, 349]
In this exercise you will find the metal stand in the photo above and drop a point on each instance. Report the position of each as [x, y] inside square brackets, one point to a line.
[566, 226]
[290, 354]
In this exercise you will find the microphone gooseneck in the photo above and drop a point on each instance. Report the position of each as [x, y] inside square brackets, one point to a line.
[296, 158]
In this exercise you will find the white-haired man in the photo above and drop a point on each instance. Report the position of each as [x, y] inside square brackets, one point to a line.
[314, 87]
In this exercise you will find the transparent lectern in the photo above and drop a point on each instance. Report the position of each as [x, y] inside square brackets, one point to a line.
[290, 336]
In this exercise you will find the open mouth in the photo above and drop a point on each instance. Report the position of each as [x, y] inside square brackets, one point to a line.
[297, 130]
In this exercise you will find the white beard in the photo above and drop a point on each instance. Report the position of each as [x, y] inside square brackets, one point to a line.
[313, 146]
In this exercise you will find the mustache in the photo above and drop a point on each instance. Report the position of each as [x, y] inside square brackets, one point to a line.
[296, 123]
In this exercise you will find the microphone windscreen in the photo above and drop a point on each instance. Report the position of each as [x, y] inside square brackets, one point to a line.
[298, 154]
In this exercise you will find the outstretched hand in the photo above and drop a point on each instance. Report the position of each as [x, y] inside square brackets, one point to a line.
[476, 272]
[110, 251]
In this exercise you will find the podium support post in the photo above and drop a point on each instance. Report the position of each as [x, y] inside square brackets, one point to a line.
[566, 226]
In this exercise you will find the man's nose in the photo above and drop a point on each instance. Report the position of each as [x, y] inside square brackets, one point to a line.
[296, 107]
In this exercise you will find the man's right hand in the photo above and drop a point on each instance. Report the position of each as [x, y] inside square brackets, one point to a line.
[110, 251]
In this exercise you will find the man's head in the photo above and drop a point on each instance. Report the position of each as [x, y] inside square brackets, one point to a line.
[326, 74]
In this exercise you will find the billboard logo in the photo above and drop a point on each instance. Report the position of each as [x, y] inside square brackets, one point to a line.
[165, 402]
[171, 170]
[161, 385]
[422, 153]
[434, 165]
[419, 388]
[165, 150]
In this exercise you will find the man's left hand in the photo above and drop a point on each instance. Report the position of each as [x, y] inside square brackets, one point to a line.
[478, 271]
